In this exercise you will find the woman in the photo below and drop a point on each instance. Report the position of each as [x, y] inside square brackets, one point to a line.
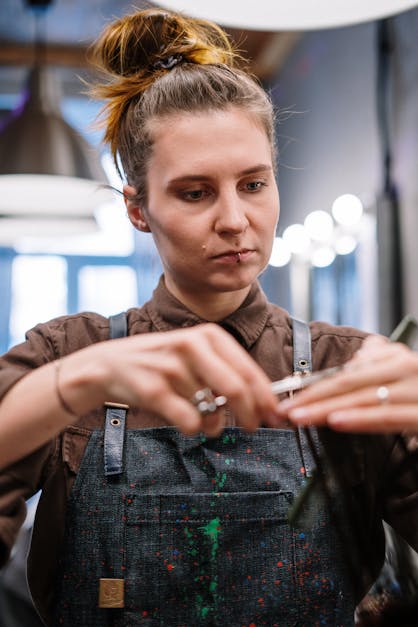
[181, 519]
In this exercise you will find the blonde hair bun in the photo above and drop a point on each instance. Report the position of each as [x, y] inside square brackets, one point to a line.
[141, 43]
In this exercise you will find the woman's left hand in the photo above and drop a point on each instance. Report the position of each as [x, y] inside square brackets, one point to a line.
[377, 391]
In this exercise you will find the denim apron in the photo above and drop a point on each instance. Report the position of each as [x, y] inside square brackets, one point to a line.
[176, 531]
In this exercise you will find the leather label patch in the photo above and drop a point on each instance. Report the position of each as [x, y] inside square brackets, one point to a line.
[111, 593]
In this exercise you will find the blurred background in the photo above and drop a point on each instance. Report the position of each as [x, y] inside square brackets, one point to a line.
[347, 124]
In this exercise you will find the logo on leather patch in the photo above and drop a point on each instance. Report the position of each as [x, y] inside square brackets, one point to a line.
[111, 593]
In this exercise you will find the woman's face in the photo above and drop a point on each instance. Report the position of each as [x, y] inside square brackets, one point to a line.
[212, 203]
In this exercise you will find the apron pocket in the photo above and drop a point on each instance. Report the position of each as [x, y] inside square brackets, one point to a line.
[214, 559]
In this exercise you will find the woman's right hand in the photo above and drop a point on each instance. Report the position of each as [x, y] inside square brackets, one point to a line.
[160, 372]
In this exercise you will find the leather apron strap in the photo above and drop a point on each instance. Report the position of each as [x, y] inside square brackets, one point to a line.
[115, 420]
[302, 364]
[302, 354]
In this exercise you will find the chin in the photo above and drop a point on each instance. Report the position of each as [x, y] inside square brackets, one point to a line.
[235, 283]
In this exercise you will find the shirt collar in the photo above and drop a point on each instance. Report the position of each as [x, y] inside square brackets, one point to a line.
[246, 323]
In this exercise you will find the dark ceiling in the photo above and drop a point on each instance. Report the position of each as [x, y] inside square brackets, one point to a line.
[69, 26]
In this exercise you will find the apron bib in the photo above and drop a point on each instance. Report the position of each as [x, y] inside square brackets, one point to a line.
[194, 531]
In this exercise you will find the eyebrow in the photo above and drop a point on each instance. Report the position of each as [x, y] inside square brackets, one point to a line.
[261, 167]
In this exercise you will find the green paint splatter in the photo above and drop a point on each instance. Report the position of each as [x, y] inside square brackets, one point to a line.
[229, 439]
[202, 610]
[212, 530]
[192, 550]
[220, 479]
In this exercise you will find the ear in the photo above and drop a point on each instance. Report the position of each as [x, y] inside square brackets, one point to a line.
[135, 212]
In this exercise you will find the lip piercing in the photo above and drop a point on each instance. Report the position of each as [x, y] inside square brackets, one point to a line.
[238, 257]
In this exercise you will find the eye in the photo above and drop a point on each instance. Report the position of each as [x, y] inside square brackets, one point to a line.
[254, 186]
[194, 195]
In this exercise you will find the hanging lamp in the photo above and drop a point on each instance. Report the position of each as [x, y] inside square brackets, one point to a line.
[51, 179]
[289, 15]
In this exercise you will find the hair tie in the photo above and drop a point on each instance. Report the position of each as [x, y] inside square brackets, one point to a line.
[168, 63]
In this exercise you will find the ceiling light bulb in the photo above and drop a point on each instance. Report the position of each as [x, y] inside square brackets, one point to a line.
[347, 209]
[297, 238]
[319, 225]
[345, 244]
[323, 256]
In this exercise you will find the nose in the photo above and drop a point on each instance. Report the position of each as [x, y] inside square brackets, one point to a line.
[231, 214]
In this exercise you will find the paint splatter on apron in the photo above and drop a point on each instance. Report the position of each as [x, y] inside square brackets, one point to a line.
[190, 532]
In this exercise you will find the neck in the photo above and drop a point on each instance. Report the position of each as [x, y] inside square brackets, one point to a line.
[211, 307]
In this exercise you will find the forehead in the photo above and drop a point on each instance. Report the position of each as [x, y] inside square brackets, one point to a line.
[208, 140]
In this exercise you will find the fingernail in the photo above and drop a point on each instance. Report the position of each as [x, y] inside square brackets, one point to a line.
[337, 417]
[299, 414]
[285, 405]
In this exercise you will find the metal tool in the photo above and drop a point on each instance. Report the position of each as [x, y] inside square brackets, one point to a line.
[299, 381]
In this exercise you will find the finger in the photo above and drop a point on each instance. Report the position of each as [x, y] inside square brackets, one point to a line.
[174, 371]
[256, 382]
[391, 418]
[387, 370]
[213, 424]
[317, 413]
[318, 394]
[179, 413]
[400, 393]
[219, 360]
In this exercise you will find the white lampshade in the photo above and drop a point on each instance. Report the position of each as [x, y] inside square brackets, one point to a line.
[34, 205]
[51, 179]
[285, 15]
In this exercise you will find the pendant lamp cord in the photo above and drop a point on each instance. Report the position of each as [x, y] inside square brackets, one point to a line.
[39, 9]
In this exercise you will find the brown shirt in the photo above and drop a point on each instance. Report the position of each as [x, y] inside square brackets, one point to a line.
[265, 331]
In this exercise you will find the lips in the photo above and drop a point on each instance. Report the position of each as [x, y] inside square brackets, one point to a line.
[242, 251]
[232, 255]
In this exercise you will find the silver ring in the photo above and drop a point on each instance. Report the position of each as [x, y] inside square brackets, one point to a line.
[206, 402]
[382, 394]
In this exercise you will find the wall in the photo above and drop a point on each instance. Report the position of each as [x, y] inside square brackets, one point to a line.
[329, 142]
